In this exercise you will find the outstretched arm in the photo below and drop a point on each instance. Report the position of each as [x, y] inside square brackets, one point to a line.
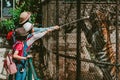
[39, 34]
[35, 37]
[37, 30]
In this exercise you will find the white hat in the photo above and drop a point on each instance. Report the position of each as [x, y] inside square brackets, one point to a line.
[27, 26]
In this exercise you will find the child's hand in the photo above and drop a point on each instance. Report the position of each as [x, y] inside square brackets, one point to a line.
[29, 56]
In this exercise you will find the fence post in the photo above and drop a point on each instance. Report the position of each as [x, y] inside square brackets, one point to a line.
[29, 72]
[117, 41]
[57, 41]
[78, 55]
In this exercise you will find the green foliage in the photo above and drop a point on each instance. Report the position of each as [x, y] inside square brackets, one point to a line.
[6, 25]
[33, 17]
[9, 24]
[16, 13]
[13, 22]
[33, 6]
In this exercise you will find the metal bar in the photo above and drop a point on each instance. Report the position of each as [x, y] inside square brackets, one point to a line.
[65, 60]
[32, 68]
[98, 2]
[117, 41]
[91, 2]
[90, 61]
[40, 15]
[78, 55]
[57, 41]
[29, 77]
[1, 9]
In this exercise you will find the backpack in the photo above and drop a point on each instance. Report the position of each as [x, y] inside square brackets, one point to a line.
[9, 64]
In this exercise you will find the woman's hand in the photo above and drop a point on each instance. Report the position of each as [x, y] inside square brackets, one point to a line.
[56, 27]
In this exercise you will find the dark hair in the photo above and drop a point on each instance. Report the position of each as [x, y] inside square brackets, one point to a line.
[22, 38]
[30, 31]
[20, 34]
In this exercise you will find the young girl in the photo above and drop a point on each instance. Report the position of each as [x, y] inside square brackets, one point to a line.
[18, 55]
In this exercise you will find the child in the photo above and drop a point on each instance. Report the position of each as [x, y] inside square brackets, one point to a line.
[18, 54]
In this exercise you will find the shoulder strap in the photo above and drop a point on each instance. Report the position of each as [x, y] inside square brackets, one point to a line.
[9, 58]
[22, 62]
[16, 44]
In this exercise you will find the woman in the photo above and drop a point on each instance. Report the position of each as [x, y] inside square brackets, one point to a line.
[35, 33]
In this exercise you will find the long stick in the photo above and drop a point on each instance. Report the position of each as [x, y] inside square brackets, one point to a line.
[74, 21]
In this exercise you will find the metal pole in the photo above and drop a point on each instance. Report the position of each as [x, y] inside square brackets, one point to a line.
[33, 70]
[75, 21]
[29, 73]
[65, 60]
[117, 41]
[40, 15]
[78, 56]
[57, 41]
[1, 9]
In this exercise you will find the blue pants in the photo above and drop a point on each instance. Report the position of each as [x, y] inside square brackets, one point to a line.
[20, 75]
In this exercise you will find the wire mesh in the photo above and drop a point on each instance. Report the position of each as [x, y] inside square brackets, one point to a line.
[98, 39]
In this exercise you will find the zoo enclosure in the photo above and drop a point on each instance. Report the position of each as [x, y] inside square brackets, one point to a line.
[81, 50]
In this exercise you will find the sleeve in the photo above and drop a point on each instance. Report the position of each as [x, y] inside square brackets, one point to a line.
[35, 37]
[42, 29]
[18, 47]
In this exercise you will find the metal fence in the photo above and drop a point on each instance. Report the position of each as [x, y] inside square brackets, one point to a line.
[87, 46]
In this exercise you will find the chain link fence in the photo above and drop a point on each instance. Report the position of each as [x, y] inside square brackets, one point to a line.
[87, 49]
